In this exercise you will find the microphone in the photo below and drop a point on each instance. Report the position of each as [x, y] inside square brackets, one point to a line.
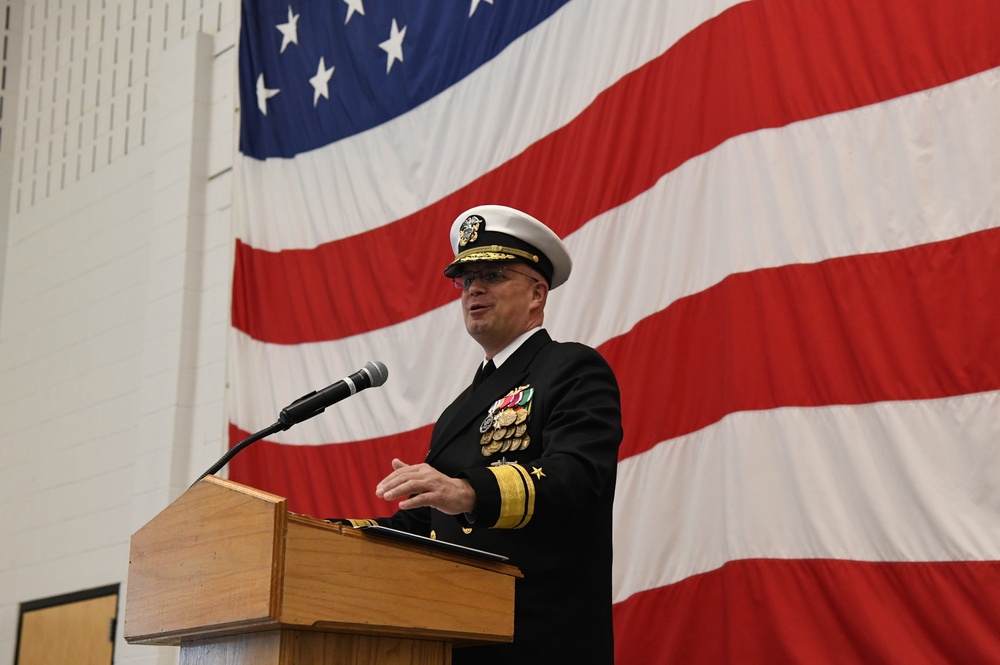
[372, 375]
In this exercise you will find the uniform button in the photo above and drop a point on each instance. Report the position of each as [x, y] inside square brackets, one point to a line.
[433, 535]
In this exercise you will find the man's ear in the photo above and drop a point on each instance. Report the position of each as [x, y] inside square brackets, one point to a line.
[539, 292]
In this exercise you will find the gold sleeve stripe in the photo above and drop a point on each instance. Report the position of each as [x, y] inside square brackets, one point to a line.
[517, 496]
[357, 523]
[530, 484]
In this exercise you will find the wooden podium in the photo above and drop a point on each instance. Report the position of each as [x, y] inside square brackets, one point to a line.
[229, 575]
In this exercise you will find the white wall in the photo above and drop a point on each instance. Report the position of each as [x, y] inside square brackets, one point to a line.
[119, 141]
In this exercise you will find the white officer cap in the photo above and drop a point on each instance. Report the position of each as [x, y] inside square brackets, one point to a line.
[499, 233]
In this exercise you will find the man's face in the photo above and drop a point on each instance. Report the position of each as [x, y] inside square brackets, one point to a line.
[496, 312]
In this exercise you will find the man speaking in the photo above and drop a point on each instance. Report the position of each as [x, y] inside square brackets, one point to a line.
[523, 462]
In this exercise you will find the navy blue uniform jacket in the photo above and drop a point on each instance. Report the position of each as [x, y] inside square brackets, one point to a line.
[545, 485]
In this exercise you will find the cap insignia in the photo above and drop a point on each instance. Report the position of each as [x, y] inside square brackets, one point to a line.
[469, 230]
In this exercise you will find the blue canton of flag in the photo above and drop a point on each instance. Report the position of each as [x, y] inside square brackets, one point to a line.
[316, 71]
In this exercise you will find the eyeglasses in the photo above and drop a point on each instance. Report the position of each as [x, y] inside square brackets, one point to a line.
[489, 275]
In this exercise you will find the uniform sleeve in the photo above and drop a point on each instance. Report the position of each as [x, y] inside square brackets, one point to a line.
[574, 468]
[416, 521]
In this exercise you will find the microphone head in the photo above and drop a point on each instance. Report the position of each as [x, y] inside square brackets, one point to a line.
[377, 371]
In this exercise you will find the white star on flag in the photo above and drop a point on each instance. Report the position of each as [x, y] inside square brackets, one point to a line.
[320, 82]
[290, 30]
[475, 5]
[354, 6]
[264, 93]
[393, 46]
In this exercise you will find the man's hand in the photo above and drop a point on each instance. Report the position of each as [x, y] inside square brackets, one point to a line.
[430, 487]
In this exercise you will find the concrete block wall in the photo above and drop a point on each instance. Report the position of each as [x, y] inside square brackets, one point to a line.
[116, 149]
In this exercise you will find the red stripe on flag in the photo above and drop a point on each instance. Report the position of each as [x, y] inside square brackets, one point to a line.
[335, 480]
[758, 65]
[919, 323]
[818, 611]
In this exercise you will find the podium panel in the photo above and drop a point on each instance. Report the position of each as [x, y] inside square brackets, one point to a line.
[211, 559]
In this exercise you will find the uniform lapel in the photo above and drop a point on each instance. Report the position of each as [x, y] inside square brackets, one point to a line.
[472, 404]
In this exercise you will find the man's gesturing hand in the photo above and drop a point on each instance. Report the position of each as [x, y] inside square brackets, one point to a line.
[428, 486]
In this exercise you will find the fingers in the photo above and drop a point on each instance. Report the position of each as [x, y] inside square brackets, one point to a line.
[391, 490]
[415, 501]
[423, 485]
[435, 491]
[404, 480]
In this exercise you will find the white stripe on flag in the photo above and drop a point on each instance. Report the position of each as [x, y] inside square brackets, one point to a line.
[892, 481]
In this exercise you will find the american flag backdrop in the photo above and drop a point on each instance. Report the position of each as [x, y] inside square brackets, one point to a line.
[785, 223]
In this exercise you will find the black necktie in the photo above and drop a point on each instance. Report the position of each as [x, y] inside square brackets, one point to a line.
[483, 373]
